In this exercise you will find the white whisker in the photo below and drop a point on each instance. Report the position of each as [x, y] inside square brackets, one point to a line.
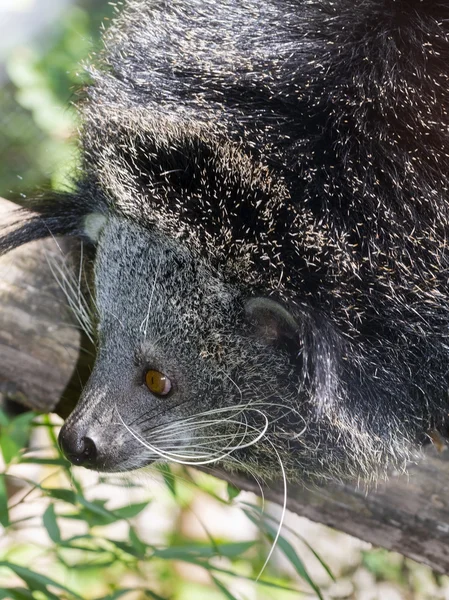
[184, 459]
[284, 510]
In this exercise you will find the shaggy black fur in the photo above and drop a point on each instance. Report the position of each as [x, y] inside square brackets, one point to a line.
[301, 148]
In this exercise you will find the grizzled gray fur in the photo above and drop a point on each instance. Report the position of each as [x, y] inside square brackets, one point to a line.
[266, 187]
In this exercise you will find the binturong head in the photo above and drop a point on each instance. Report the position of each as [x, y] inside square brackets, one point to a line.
[188, 369]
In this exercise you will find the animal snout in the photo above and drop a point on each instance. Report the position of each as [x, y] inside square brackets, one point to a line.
[79, 449]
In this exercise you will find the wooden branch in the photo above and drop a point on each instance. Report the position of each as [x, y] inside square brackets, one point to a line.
[40, 362]
[408, 514]
[40, 367]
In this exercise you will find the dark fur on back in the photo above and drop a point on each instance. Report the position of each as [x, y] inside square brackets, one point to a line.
[300, 152]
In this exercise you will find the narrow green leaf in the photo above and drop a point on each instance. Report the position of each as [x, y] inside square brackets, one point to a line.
[233, 492]
[263, 515]
[234, 549]
[319, 559]
[117, 594]
[94, 513]
[16, 594]
[9, 447]
[51, 525]
[81, 536]
[94, 564]
[227, 594]
[169, 477]
[15, 437]
[4, 514]
[4, 419]
[139, 546]
[36, 581]
[209, 567]
[61, 494]
[230, 550]
[125, 547]
[97, 507]
[288, 550]
[75, 546]
[94, 519]
[23, 422]
[132, 510]
[153, 595]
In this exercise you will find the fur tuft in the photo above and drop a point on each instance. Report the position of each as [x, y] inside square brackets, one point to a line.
[51, 215]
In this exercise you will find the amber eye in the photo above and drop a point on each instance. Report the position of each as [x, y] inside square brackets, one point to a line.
[158, 383]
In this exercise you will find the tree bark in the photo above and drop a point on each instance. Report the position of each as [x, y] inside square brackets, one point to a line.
[41, 367]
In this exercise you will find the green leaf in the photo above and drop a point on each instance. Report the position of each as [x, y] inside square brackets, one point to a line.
[210, 567]
[51, 524]
[95, 514]
[319, 559]
[74, 546]
[127, 548]
[262, 515]
[139, 546]
[9, 447]
[22, 423]
[198, 551]
[36, 581]
[127, 512]
[288, 550]
[169, 477]
[96, 506]
[117, 594]
[102, 563]
[233, 492]
[4, 514]
[227, 594]
[15, 436]
[61, 494]
[16, 594]
[4, 420]
[153, 595]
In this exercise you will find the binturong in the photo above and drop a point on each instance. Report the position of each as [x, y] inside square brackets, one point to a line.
[264, 188]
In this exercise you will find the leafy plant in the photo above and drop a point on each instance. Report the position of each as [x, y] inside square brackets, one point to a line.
[95, 551]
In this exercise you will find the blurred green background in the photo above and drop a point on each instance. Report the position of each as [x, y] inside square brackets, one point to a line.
[41, 69]
[43, 44]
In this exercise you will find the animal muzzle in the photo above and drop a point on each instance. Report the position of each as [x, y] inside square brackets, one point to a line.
[80, 449]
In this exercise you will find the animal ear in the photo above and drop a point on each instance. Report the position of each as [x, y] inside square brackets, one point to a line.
[93, 225]
[53, 214]
[273, 322]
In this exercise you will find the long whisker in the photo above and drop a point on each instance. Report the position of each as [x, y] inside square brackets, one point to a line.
[71, 288]
[196, 423]
[222, 452]
[181, 459]
[284, 510]
[231, 437]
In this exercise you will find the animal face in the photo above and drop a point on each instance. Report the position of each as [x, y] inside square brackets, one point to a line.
[191, 370]
[187, 369]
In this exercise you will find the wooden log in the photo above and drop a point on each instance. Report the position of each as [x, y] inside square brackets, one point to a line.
[408, 513]
[40, 362]
[41, 367]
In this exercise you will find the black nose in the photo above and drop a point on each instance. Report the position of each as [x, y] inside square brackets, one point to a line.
[80, 450]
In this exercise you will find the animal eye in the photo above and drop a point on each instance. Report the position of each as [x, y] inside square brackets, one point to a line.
[158, 383]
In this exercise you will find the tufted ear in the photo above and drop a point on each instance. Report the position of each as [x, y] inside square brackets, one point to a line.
[53, 214]
[93, 225]
[274, 323]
